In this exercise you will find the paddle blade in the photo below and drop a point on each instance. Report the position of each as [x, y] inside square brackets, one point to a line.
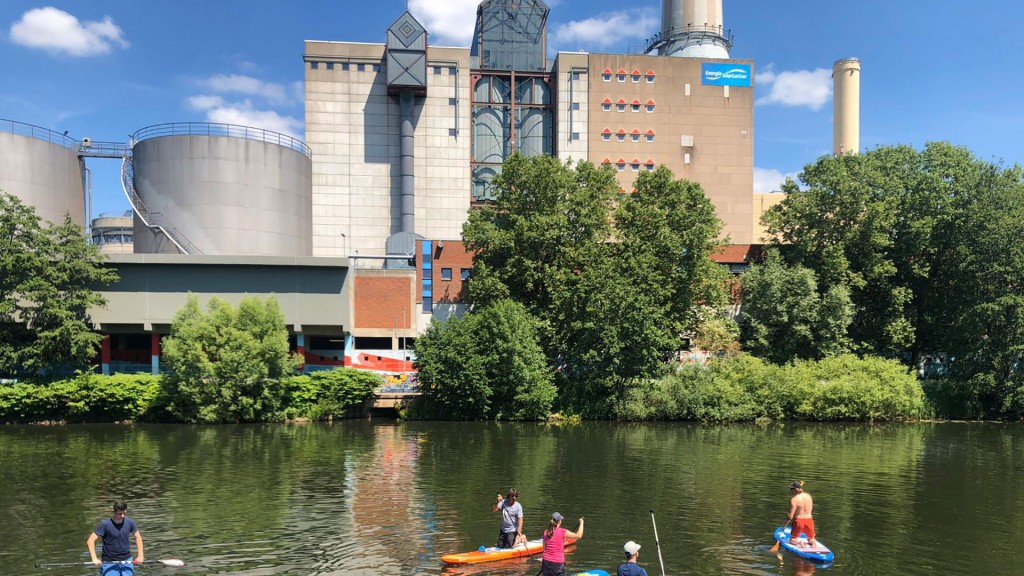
[172, 562]
[776, 547]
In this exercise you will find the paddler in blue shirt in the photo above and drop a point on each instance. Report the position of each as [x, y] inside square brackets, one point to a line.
[511, 534]
[117, 551]
[630, 567]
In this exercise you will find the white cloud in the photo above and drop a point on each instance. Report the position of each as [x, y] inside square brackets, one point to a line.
[59, 32]
[770, 179]
[245, 114]
[810, 88]
[448, 22]
[607, 29]
[249, 86]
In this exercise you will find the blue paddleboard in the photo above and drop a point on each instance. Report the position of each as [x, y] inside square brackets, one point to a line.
[591, 573]
[819, 553]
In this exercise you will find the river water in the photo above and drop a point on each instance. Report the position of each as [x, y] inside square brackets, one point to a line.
[362, 498]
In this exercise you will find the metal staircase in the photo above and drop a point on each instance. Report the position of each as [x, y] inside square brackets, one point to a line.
[153, 220]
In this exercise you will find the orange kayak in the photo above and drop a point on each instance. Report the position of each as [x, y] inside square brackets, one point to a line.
[491, 554]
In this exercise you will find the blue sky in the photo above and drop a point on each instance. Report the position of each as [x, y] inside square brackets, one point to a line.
[932, 69]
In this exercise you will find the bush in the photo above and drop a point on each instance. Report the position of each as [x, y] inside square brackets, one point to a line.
[329, 393]
[84, 398]
[745, 388]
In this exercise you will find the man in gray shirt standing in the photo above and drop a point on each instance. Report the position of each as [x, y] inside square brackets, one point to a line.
[511, 520]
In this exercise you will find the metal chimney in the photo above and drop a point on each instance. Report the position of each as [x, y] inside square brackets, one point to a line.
[846, 106]
[692, 29]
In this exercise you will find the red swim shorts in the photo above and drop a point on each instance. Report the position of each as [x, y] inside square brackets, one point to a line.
[803, 526]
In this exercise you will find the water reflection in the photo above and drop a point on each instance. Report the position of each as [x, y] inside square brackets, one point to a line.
[363, 498]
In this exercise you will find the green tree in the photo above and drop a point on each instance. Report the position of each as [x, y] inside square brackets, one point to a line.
[48, 277]
[784, 316]
[227, 365]
[611, 278]
[488, 364]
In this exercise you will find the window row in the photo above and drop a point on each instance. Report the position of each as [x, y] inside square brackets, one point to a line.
[620, 136]
[620, 76]
[446, 273]
[620, 164]
[344, 66]
[620, 106]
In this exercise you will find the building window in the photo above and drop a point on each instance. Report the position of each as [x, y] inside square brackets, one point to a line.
[635, 166]
[375, 67]
[606, 136]
[635, 137]
[649, 166]
[314, 65]
[606, 106]
[575, 75]
[464, 273]
[575, 136]
[446, 273]
[650, 107]
[620, 137]
[650, 76]
[621, 106]
[575, 105]
[636, 76]
[437, 70]
[635, 107]
[620, 166]
[621, 77]
[361, 67]
[607, 76]
[330, 65]
[428, 305]
[650, 136]
[344, 67]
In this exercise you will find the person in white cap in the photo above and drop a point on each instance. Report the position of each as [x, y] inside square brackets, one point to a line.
[630, 567]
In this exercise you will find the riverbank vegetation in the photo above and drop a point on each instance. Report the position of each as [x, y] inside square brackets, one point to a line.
[880, 263]
[226, 364]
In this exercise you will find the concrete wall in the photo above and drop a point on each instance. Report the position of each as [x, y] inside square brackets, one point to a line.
[721, 124]
[226, 195]
[313, 292]
[43, 175]
[352, 126]
[572, 111]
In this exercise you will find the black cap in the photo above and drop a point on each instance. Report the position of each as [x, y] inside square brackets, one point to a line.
[796, 484]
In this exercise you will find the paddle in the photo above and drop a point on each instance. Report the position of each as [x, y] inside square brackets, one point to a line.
[775, 548]
[657, 543]
[167, 562]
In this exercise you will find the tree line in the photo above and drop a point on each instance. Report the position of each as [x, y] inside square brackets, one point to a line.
[885, 260]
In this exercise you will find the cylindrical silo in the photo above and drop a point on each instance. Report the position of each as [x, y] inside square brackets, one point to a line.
[42, 169]
[223, 189]
[846, 106]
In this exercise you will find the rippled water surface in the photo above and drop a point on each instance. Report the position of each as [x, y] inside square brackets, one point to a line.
[363, 498]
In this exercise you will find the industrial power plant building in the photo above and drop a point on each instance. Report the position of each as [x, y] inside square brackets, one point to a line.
[356, 230]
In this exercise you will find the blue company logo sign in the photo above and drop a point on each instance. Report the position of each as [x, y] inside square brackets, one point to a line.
[725, 74]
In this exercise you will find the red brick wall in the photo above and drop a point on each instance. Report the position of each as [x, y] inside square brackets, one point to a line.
[452, 255]
[379, 298]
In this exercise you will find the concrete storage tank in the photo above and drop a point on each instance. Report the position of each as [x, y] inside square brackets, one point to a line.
[41, 167]
[221, 189]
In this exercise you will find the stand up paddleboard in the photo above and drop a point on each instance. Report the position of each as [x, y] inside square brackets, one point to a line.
[590, 573]
[819, 553]
[492, 554]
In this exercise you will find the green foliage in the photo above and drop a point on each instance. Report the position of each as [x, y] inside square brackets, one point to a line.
[784, 316]
[47, 278]
[562, 242]
[745, 388]
[329, 393]
[86, 398]
[486, 365]
[227, 365]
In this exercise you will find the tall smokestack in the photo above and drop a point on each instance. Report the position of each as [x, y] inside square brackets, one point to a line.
[693, 29]
[846, 106]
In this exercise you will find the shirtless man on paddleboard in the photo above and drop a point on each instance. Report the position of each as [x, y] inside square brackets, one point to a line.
[801, 506]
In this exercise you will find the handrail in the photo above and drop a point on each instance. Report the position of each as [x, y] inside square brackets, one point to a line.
[172, 234]
[37, 132]
[666, 36]
[215, 129]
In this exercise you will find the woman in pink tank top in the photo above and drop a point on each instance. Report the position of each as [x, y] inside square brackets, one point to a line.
[553, 560]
